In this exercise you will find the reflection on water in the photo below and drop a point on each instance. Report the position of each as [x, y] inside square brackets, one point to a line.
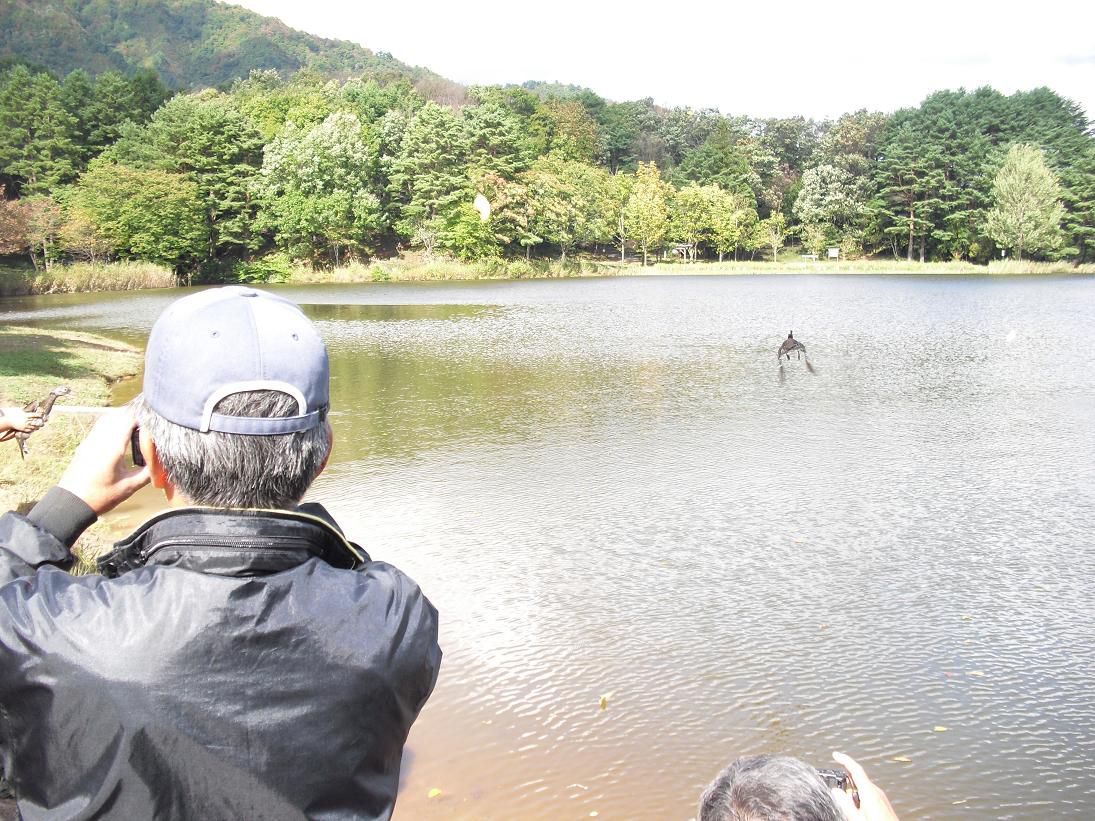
[608, 490]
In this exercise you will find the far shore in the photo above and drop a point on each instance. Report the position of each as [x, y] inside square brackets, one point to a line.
[124, 276]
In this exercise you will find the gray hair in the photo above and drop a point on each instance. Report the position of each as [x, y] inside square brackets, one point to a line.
[768, 788]
[233, 470]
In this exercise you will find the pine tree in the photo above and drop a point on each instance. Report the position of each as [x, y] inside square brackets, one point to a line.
[427, 173]
[36, 148]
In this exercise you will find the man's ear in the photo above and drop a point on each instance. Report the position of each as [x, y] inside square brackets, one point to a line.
[160, 479]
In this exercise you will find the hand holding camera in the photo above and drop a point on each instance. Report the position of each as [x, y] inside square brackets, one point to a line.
[857, 796]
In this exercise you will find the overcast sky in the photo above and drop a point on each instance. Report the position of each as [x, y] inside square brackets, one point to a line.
[762, 59]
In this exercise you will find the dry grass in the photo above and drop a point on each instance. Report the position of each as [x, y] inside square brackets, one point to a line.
[797, 265]
[86, 277]
[32, 362]
[417, 268]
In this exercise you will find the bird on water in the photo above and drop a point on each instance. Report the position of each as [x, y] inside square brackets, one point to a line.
[790, 344]
[42, 407]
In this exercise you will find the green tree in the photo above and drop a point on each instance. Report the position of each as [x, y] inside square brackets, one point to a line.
[36, 149]
[318, 192]
[270, 104]
[619, 192]
[772, 231]
[646, 214]
[427, 173]
[146, 214]
[719, 161]
[573, 133]
[851, 143]
[208, 138]
[1028, 211]
[793, 140]
[829, 202]
[570, 203]
[495, 143]
[692, 216]
[909, 179]
[467, 235]
[734, 220]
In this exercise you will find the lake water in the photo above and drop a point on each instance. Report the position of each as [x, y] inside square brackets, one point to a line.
[608, 490]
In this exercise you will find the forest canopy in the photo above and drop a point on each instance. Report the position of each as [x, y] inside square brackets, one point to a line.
[310, 167]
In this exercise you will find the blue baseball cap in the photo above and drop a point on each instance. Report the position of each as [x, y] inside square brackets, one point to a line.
[222, 341]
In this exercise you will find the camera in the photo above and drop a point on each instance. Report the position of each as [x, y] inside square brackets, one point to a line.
[135, 448]
[834, 778]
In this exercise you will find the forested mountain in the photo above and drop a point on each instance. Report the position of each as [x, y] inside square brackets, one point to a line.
[189, 43]
[277, 166]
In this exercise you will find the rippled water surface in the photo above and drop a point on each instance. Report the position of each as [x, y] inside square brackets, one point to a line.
[608, 490]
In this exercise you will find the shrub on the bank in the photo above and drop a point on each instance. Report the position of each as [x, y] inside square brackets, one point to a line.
[270, 268]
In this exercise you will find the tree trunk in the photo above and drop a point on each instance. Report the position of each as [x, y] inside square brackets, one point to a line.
[720, 256]
[923, 245]
[644, 254]
[912, 225]
[528, 253]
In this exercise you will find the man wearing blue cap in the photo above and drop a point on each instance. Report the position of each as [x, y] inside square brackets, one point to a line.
[238, 657]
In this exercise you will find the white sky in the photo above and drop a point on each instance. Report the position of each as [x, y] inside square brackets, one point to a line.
[762, 59]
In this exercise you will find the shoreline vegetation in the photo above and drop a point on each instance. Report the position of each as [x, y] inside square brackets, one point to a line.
[128, 276]
[33, 362]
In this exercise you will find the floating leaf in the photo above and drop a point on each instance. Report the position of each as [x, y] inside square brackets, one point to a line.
[959, 801]
[900, 759]
[939, 728]
[433, 793]
[977, 673]
[604, 700]
[593, 813]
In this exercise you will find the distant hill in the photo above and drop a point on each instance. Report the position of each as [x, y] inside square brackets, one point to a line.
[190, 43]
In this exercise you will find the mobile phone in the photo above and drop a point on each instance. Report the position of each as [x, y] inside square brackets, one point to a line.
[135, 448]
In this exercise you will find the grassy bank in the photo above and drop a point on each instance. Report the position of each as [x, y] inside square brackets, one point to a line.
[125, 276]
[85, 277]
[412, 269]
[33, 362]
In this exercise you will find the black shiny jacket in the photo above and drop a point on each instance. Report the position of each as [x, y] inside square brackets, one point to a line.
[227, 665]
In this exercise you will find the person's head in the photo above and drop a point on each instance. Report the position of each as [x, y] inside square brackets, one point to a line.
[235, 402]
[768, 788]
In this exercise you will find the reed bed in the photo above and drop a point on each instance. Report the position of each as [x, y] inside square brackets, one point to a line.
[82, 277]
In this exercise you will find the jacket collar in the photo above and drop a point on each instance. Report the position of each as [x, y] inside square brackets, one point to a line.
[234, 542]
